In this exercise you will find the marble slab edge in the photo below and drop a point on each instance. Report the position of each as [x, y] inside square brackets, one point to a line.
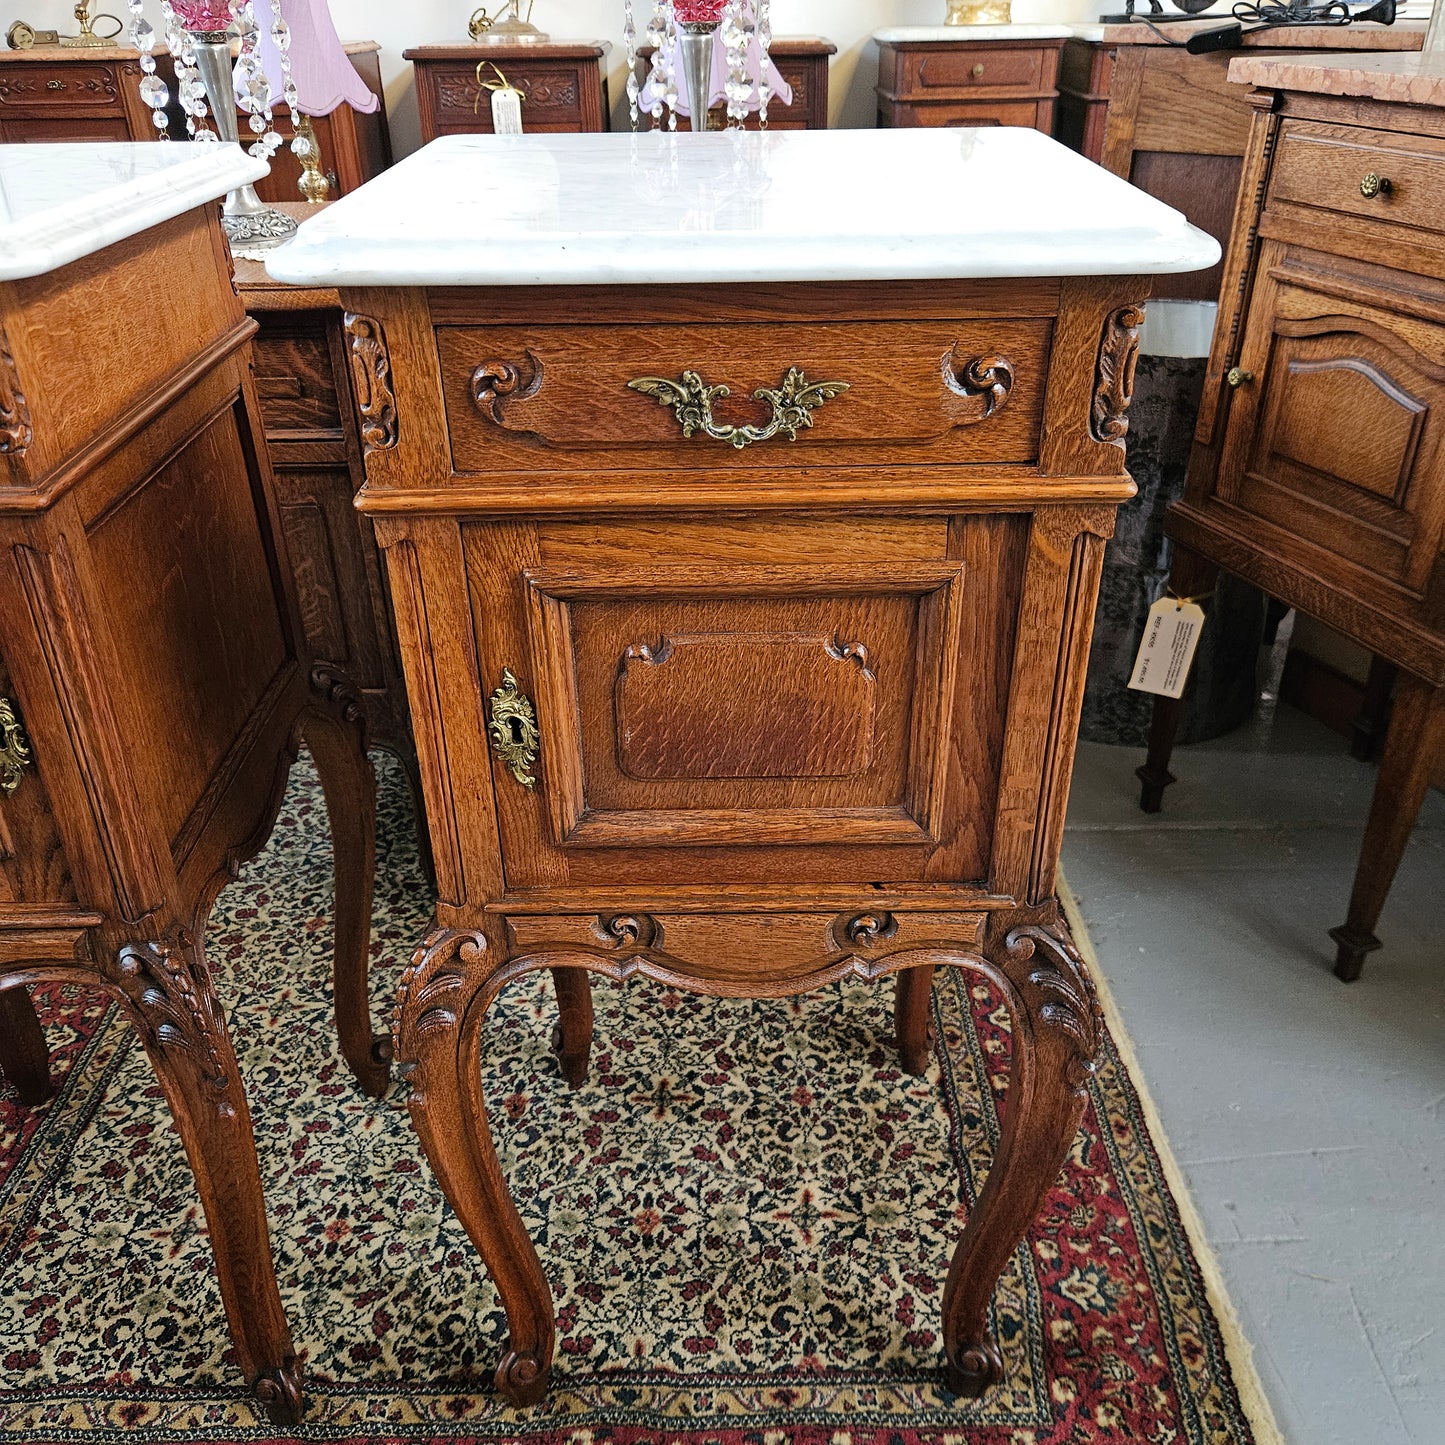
[1406, 79]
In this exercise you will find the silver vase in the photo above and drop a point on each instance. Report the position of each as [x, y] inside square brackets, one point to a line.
[248, 220]
[696, 38]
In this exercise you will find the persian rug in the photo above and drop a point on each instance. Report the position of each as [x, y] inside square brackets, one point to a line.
[746, 1214]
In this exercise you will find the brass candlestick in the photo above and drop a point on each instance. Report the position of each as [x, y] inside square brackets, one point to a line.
[505, 28]
[314, 184]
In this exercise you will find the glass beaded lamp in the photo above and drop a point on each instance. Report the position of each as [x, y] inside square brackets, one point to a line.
[690, 28]
[209, 83]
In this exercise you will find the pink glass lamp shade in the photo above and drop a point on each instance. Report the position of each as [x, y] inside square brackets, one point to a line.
[699, 12]
[325, 78]
[203, 15]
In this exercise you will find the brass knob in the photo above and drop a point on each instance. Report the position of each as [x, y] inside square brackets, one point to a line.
[55, 85]
[1238, 377]
[1375, 185]
[978, 70]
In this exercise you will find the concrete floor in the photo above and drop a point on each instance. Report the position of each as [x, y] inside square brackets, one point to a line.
[1308, 1116]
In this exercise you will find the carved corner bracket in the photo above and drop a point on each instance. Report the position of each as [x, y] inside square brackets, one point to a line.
[371, 376]
[984, 381]
[173, 1001]
[1049, 972]
[16, 432]
[432, 987]
[1114, 375]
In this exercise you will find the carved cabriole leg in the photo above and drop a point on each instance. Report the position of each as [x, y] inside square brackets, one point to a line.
[444, 998]
[24, 1057]
[912, 1017]
[1192, 576]
[1413, 748]
[1056, 1036]
[335, 731]
[166, 989]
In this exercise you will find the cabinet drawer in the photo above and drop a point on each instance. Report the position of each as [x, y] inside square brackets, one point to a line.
[31, 85]
[969, 113]
[523, 397]
[552, 99]
[1327, 166]
[985, 67]
[297, 387]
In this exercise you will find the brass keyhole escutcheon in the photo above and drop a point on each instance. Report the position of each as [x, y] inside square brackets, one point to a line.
[1375, 185]
[15, 753]
[513, 729]
[1239, 377]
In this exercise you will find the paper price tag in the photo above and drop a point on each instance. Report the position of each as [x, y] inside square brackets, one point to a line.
[507, 111]
[1167, 652]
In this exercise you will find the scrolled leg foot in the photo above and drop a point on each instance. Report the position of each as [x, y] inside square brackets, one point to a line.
[1057, 1031]
[522, 1379]
[279, 1393]
[976, 1367]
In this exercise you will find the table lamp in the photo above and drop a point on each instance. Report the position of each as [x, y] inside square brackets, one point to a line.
[322, 73]
[690, 28]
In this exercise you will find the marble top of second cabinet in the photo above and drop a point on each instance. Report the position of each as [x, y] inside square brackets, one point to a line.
[851, 205]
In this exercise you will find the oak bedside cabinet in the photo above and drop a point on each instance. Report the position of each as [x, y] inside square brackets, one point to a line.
[1318, 470]
[154, 688]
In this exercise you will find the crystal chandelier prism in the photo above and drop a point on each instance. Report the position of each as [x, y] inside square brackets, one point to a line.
[683, 35]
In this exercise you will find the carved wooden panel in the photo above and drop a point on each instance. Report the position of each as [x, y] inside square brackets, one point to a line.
[745, 705]
[523, 397]
[33, 84]
[1338, 436]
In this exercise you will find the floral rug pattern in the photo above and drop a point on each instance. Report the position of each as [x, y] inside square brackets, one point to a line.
[746, 1214]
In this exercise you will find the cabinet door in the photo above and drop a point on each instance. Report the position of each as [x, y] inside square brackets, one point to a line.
[746, 700]
[1335, 433]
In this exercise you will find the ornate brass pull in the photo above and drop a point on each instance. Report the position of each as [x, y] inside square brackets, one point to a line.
[513, 729]
[15, 754]
[793, 404]
[1375, 185]
[1238, 377]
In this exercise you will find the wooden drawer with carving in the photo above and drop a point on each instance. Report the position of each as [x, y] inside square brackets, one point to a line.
[658, 397]
[1375, 175]
[40, 86]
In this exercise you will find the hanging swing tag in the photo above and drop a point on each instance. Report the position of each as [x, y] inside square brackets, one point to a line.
[507, 111]
[1167, 652]
[506, 100]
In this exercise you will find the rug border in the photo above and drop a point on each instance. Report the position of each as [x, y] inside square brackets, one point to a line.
[1237, 1349]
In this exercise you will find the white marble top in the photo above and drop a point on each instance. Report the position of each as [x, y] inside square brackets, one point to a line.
[841, 205]
[942, 34]
[61, 202]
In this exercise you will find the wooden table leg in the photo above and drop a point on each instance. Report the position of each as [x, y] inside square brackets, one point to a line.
[1056, 1036]
[1413, 749]
[1369, 727]
[336, 735]
[444, 998]
[24, 1056]
[1194, 577]
[165, 987]
[572, 1037]
[912, 1015]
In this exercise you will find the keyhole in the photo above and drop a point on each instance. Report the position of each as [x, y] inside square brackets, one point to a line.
[516, 727]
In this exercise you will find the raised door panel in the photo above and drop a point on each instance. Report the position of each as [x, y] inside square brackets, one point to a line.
[1337, 434]
[702, 714]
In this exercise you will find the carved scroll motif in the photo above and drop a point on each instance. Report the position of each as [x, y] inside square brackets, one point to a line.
[1048, 971]
[434, 980]
[170, 986]
[986, 381]
[371, 375]
[1114, 378]
[628, 930]
[16, 433]
[498, 382]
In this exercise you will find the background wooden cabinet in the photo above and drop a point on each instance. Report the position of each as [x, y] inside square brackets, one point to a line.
[968, 83]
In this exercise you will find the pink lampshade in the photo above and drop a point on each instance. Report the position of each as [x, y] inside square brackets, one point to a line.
[324, 77]
[699, 12]
[209, 15]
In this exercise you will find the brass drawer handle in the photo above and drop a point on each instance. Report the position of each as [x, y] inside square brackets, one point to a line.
[55, 85]
[1375, 185]
[1238, 377]
[978, 71]
[513, 729]
[793, 404]
[15, 754]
